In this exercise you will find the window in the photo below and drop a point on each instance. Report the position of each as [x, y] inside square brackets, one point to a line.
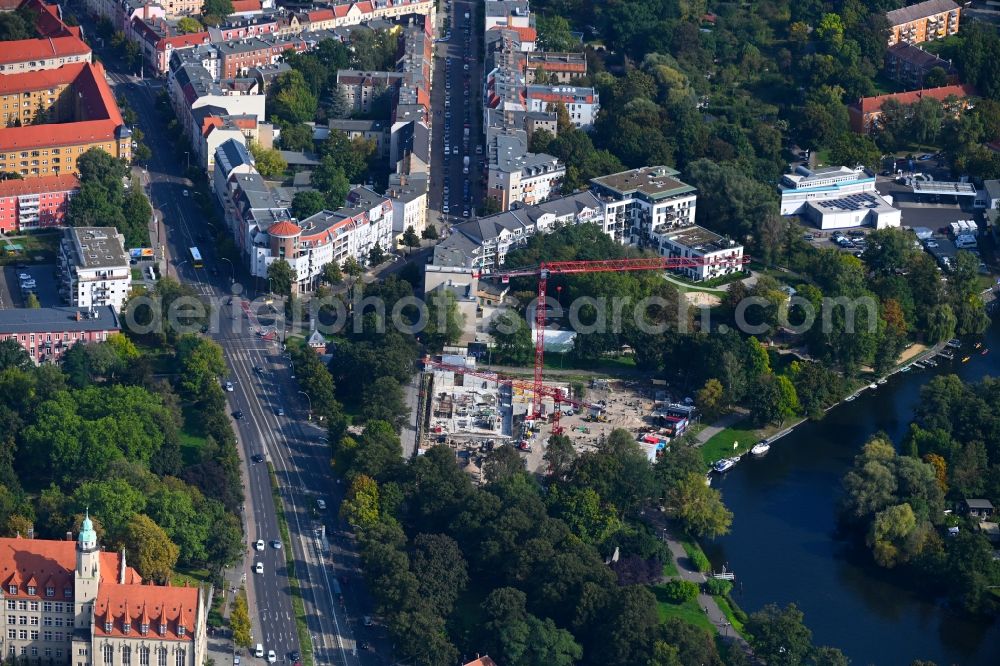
[144, 628]
[22, 634]
[108, 626]
[47, 606]
[109, 654]
[163, 632]
[59, 607]
[23, 619]
[11, 619]
[12, 633]
[11, 604]
[34, 620]
[58, 653]
[48, 652]
[179, 657]
[127, 656]
[59, 636]
[22, 605]
[47, 621]
[33, 606]
[126, 627]
[33, 634]
[12, 589]
[34, 652]
[47, 635]
[68, 592]
[144, 656]
[161, 653]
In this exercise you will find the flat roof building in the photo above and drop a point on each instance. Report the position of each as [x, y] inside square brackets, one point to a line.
[94, 267]
[46, 333]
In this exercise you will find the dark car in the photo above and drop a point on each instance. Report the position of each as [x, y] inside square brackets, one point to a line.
[294, 655]
[238, 414]
[259, 370]
[257, 458]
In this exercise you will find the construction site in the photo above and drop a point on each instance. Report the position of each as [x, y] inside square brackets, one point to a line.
[474, 410]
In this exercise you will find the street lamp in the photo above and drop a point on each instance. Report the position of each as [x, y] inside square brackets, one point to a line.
[232, 270]
[187, 156]
[310, 404]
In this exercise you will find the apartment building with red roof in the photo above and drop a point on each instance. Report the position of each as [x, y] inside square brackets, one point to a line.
[57, 45]
[35, 203]
[69, 598]
[85, 116]
[866, 113]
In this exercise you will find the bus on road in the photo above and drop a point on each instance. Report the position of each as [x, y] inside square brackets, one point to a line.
[196, 260]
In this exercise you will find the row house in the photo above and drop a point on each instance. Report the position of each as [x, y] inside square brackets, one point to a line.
[239, 57]
[257, 25]
[159, 40]
[35, 203]
[554, 67]
[866, 114]
[46, 334]
[924, 21]
[57, 44]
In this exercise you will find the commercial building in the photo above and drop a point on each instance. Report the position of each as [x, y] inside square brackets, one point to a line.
[804, 185]
[56, 45]
[866, 209]
[924, 21]
[82, 114]
[866, 114]
[46, 333]
[645, 203]
[94, 267]
[70, 602]
[910, 65]
[35, 203]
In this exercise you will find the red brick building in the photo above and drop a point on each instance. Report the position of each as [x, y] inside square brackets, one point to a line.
[866, 113]
[35, 202]
[46, 333]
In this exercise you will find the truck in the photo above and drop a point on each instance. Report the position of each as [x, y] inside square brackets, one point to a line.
[465, 165]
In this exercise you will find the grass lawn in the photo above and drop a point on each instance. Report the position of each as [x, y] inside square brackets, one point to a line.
[721, 445]
[32, 245]
[689, 611]
[137, 275]
[670, 569]
[566, 361]
[194, 577]
[191, 442]
[727, 610]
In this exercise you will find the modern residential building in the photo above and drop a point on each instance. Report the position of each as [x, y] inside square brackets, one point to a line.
[81, 112]
[408, 195]
[70, 602]
[910, 65]
[804, 185]
[56, 45]
[507, 13]
[722, 256]
[94, 267]
[46, 333]
[35, 203]
[645, 203]
[866, 114]
[582, 104]
[515, 175]
[924, 21]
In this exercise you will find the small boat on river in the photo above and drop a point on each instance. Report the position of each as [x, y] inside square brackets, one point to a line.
[954, 343]
[725, 465]
[760, 448]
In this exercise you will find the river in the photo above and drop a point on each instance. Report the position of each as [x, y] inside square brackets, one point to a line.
[783, 546]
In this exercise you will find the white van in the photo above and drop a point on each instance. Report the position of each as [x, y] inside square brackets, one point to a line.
[258, 651]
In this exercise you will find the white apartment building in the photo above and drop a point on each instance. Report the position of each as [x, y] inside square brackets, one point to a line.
[582, 104]
[805, 185]
[94, 267]
[327, 236]
[409, 203]
[723, 256]
[515, 175]
[646, 203]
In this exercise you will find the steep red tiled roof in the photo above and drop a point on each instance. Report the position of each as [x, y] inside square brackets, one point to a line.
[482, 661]
[101, 115]
[320, 15]
[25, 50]
[52, 562]
[284, 229]
[61, 183]
[156, 604]
[874, 104]
[525, 34]
[40, 79]
[246, 6]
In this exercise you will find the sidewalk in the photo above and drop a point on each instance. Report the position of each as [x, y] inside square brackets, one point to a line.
[711, 431]
[690, 573]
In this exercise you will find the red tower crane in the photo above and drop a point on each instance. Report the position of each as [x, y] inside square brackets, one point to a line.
[544, 270]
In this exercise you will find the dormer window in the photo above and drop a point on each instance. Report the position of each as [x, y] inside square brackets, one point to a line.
[12, 589]
[126, 627]
[108, 626]
[68, 592]
[50, 591]
[143, 628]
[163, 628]
[31, 590]
[181, 630]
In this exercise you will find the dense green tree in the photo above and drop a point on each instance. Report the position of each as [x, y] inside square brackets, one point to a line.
[154, 555]
[410, 238]
[559, 455]
[360, 507]
[291, 99]
[444, 321]
[512, 338]
[297, 137]
[502, 463]
[281, 277]
[188, 24]
[12, 355]
[384, 401]
[306, 203]
[268, 161]
[698, 507]
[779, 635]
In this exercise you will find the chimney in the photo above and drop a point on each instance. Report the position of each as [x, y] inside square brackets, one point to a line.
[69, 535]
[78, 315]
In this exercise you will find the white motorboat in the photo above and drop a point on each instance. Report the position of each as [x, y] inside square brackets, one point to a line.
[873, 386]
[725, 465]
[954, 343]
[760, 448]
[882, 381]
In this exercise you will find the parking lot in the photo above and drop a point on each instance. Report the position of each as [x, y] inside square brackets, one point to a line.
[37, 278]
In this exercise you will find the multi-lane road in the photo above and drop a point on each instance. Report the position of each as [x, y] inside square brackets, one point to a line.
[326, 568]
[455, 95]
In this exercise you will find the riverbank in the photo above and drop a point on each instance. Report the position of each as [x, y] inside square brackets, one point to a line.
[733, 435]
